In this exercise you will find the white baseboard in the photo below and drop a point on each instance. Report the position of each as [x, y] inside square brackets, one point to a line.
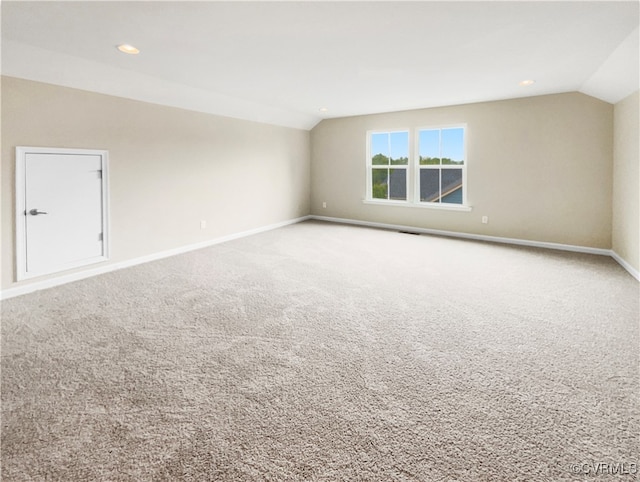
[478, 237]
[68, 278]
[494, 239]
[60, 280]
[621, 261]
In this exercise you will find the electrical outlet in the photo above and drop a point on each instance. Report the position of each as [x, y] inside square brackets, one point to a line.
[203, 224]
[485, 219]
[324, 204]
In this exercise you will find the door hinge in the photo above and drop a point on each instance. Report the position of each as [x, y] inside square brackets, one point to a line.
[100, 237]
[99, 174]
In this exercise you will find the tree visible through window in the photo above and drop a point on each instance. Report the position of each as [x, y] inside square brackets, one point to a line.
[389, 161]
[431, 174]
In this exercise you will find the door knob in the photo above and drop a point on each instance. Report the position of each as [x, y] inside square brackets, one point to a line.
[35, 212]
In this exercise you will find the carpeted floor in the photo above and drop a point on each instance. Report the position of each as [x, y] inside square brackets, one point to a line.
[325, 352]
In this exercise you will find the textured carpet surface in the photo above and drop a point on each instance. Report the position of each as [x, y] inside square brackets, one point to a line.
[328, 353]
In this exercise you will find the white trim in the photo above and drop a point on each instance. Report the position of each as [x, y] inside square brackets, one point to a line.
[419, 167]
[60, 280]
[494, 239]
[406, 204]
[477, 237]
[21, 228]
[370, 165]
[49, 283]
[413, 169]
[622, 262]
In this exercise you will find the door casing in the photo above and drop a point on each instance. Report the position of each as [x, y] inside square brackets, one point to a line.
[21, 205]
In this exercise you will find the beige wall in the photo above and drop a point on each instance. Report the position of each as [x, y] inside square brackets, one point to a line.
[540, 168]
[626, 180]
[169, 168]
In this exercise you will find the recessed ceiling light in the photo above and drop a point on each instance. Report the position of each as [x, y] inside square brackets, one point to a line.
[323, 109]
[525, 83]
[128, 49]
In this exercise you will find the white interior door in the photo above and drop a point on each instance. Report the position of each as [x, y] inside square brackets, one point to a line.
[63, 209]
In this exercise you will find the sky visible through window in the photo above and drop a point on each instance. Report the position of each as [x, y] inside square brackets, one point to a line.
[448, 143]
[397, 143]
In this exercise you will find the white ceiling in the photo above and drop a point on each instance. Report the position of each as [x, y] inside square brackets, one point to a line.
[280, 62]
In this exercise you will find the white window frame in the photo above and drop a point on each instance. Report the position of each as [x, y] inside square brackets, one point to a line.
[419, 167]
[413, 171]
[371, 166]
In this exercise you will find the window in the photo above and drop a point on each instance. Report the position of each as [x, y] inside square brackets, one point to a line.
[388, 162]
[431, 175]
[441, 165]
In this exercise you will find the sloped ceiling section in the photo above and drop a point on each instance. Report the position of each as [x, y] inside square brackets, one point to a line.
[281, 62]
[619, 75]
[105, 78]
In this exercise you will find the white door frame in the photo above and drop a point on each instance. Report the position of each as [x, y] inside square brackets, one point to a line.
[21, 223]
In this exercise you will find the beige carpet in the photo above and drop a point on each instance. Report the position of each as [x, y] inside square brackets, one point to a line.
[328, 353]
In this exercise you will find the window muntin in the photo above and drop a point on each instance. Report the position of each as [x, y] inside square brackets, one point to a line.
[388, 165]
[429, 171]
[441, 165]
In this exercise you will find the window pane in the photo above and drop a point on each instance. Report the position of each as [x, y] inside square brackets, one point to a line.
[380, 149]
[429, 146]
[400, 148]
[452, 186]
[429, 185]
[453, 146]
[398, 184]
[379, 183]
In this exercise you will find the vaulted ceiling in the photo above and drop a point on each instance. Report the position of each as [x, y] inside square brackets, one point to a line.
[281, 62]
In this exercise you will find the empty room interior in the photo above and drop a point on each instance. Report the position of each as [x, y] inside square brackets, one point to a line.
[323, 241]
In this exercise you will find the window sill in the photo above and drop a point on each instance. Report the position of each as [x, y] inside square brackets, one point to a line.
[406, 204]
